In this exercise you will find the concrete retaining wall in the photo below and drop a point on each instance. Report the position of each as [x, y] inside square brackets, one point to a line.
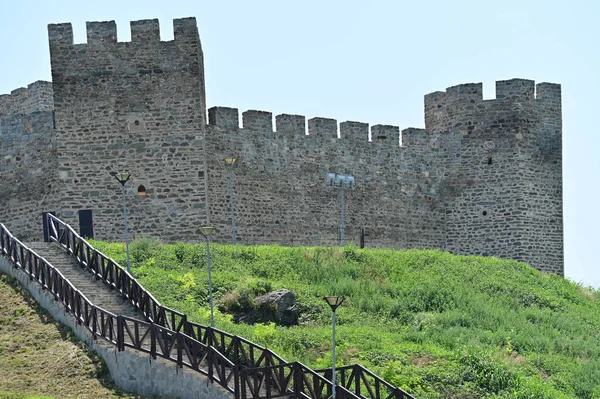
[131, 371]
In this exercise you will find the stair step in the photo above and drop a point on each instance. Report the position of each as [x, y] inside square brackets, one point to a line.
[99, 293]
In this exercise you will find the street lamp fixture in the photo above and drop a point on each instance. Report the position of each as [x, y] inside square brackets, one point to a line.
[124, 178]
[206, 232]
[342, 182]
[334, 302]
[230, 162]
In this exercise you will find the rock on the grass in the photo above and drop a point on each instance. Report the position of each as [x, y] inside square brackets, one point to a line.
[279, 307]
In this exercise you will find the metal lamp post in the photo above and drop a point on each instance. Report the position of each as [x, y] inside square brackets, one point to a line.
[206, 232]
[123, 178]
[341, 181]
[334, 302]
[230, 162]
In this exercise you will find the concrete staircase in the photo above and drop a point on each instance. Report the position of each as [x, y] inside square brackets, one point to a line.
[96, 291]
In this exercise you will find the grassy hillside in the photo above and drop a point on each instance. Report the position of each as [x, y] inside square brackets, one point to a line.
[435, 324]
[40, 359]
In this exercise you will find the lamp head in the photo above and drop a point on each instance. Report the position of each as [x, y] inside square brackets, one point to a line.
[206, 231]
[121, 177]
[230, 161]
[334, 301]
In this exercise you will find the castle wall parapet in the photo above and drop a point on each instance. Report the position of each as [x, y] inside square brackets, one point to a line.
[146, 30]
[515, 90]
[413, 137]
[224, 117]
[290, 124]
[35, 97]
[323, 127]
[454, 107]
[259, 121]
[101, 32]
[105, 32]
[385, 133]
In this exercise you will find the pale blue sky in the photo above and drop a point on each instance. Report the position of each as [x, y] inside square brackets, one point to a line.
[367, 61]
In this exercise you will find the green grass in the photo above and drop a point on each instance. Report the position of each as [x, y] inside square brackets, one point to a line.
[435, 324]
[42, 359]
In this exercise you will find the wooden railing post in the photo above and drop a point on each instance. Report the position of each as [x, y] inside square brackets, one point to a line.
[94, 321]
[236, 349]
[210, 359]
[179, 350]
[120, 334]
[236, 381]
[268, 385]
[153, 340]
[357, 378]
[297, 379]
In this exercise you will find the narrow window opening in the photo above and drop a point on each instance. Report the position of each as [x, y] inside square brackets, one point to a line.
[489, 159]
[141, 190]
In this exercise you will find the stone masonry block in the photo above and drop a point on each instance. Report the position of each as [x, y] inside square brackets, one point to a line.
[147, 30]
[224, 117]
[468, 92]
[354, 131]
[185, 28]
[60, 34]
[323, 127]
[515, 89]
[385, 133]
[293, 124]
[414, 137]
[548, 91]
[101, 32]
[258, 121]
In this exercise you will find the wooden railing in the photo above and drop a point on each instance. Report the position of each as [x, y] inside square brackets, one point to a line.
[121, 331]
[364, 383]
[234, 352]
[289, 377]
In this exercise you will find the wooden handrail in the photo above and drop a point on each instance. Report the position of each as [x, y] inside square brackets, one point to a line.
[121, 331]
[168, 330]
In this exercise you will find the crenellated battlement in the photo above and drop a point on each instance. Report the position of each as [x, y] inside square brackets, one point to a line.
[508, 90]
[35, 97]
[105, 32]
[385, 134]
[101, 32]
[290, 124]
[414, 137]
[145, 30]
[447, 109]
[262, 121]
[259, 121]
[515, 90]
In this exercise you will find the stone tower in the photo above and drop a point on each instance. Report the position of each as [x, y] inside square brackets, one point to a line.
[134, 106]
[502, 161]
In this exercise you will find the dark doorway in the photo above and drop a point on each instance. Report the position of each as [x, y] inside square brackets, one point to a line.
[86, 223]
[46, 225]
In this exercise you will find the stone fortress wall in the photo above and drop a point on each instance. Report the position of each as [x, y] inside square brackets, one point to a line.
[483, 177]
[28, 157]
